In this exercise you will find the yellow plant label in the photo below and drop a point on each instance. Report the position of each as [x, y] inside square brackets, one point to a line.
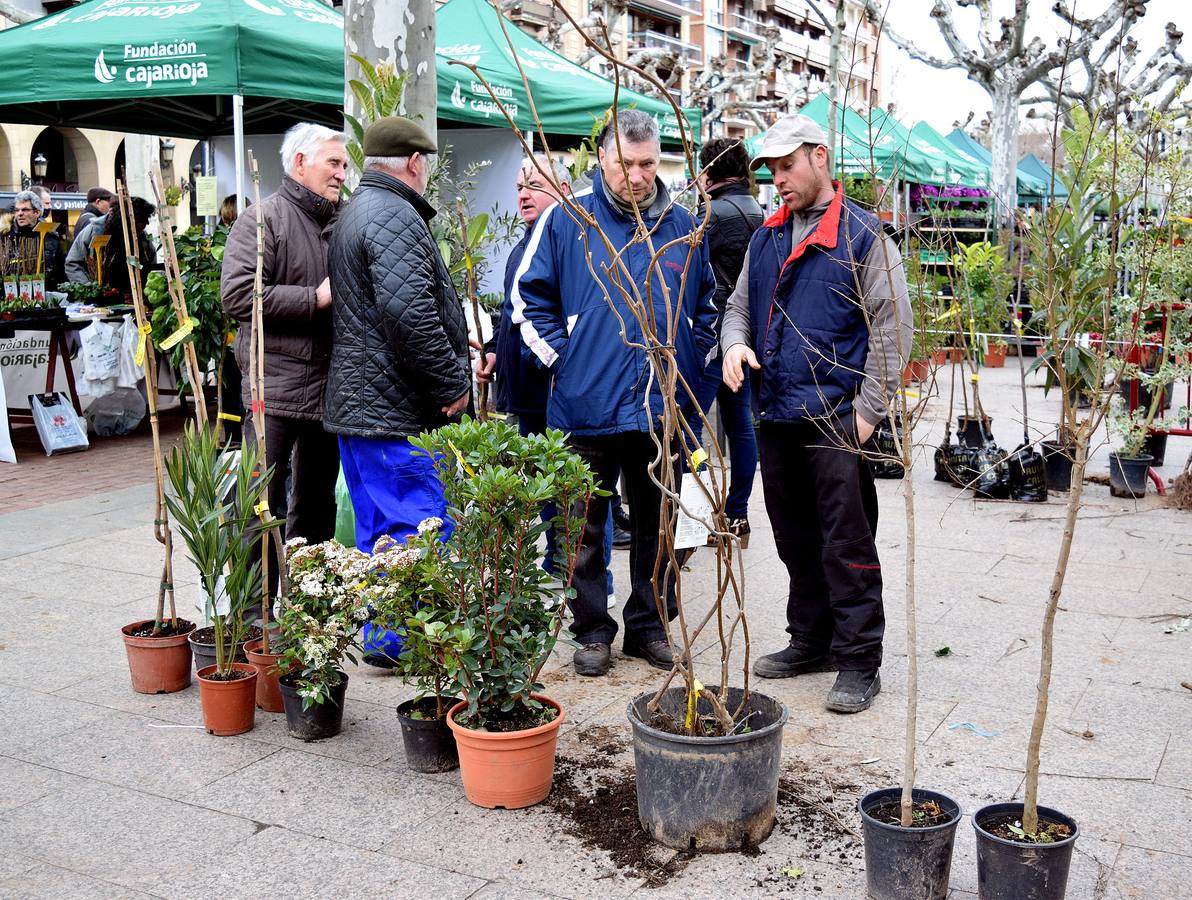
[183, 330]
[261, 508]
[698, 458]
[230, 417]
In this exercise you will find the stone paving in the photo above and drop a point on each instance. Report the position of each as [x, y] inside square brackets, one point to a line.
[107, 793]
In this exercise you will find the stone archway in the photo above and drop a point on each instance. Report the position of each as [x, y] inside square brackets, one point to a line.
[9, 179]
[71, 163]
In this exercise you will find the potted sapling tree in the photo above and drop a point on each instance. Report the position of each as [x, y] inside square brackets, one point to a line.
[214, 495]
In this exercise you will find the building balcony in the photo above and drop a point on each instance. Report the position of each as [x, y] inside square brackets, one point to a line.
[745, 27]
[796, 9]
[793, 42]
[674, 9]
[819, 51]
[531, 12]
[652, 40]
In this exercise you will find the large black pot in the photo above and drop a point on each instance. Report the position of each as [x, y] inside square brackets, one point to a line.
[1127, 474]
[429, 742]
[321, 720]
[973, 431]
[1156, 446]
[717, 793]
[202, 646]
[1058, 459]
[907, 863]
[1009, 870]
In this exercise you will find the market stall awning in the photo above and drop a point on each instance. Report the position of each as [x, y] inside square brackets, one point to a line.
[163, 67]
[568, 98]
[963, 170]
[1032, 165]
[1028, 184]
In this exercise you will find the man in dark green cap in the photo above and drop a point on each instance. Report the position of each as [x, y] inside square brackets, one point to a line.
[399, 358]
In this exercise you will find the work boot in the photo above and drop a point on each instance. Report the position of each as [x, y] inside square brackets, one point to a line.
[593, 659]
[739, 527]
[621, 537]
[656, 653]
[794, 660]
[854, 690]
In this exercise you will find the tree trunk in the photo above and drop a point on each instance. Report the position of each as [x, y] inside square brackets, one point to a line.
[834, 98]
[1005, 148]
[912, 640]
[401, 32]
[1030, 812]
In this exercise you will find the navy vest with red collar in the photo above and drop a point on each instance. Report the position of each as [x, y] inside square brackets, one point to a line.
[808, 327]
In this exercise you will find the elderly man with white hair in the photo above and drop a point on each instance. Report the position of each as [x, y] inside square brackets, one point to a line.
[297, 323]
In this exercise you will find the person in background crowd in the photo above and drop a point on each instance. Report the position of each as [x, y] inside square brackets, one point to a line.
[99, 201]
[732, 217]
[22, 239]
[227, 210]
[598, 391]
[820, 313]
[399, 359]
[47, 212]
[296, 314]
[80, 261]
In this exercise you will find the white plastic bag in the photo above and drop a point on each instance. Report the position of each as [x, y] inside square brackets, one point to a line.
[101, 355]
[59, 428]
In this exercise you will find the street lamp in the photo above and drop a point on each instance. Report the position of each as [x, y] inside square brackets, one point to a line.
[167, 153]
[39, 168]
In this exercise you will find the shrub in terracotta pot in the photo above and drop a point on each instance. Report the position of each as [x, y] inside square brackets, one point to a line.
[214, 494]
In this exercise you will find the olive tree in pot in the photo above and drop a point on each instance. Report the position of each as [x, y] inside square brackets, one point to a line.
[1024, 849]
[505, 613]
[320, 622]
[214, 495]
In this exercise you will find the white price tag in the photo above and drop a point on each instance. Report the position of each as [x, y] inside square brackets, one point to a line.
[689, 530]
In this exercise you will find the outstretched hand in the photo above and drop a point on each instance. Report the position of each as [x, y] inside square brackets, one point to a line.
[733, 365]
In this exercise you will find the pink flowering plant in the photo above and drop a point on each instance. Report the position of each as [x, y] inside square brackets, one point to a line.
[321, 617]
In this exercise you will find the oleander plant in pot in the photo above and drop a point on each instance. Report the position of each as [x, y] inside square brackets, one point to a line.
[502, 614]
[319, 622]
[214, 494]
[411, 589]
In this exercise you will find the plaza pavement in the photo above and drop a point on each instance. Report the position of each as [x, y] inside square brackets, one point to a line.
[107, 793]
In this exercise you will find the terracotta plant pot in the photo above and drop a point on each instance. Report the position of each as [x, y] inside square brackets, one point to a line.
[229, 707]
[509, 769]
[268, 691]
[955, 355]
[939, 357]
[158, 665]
[995, 357]
[916, 370]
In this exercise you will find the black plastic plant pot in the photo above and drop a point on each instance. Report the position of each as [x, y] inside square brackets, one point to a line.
[1010, 870]
[708, 793]
[203, 648]
[318, 722]
[429, 742]
[1058, 460]
[1127, 474]
[1156, 446]
[973, 431]
[907, 863]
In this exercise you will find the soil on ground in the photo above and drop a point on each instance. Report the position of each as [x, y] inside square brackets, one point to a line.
[595, 794]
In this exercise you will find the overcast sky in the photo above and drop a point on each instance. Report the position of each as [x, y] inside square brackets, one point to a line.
[940, 97]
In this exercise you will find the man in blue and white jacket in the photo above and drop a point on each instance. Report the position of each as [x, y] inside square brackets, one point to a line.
[599, 381]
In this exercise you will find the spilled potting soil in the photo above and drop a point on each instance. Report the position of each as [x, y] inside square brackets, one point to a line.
[595, 794]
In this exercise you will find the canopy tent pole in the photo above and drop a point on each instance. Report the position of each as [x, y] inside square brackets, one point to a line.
[209, 169]
[530, 140]
[238, 146]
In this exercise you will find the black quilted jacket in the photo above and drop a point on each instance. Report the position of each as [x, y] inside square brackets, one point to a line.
[399, 338]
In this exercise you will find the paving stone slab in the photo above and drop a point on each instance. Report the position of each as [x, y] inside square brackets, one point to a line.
[329, 798]
[146, 754]
[526, 848]
[770, 874]
[370, 735]
[1176, 768]
[1105, 704]
[1147, 874]
[53, 883]
[25, 782]
[116, 693]
[279, 863]
[31, 717]
[87, 830]
[498, 890]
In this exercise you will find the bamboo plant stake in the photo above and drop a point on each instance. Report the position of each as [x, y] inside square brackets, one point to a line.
[178, 297]
[148, 357]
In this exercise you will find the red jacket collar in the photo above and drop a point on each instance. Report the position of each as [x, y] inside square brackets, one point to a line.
[826, 232]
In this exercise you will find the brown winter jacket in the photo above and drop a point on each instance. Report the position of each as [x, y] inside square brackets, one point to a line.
[297, 335]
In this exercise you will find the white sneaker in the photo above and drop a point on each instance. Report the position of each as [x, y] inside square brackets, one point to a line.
[612, 601]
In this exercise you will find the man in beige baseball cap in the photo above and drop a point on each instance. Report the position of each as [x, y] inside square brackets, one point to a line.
[820, 315]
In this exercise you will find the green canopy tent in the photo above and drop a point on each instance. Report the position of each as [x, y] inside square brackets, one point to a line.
[567, 97]
[1034, 166]
[1028, 184]
[963, 169]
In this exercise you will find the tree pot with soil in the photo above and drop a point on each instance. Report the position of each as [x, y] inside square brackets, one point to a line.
[917, 370]
[1127, 474]
[974, 431]
[426, 736]
[158, 663]
[202, 645]
[1156, 445]
[1011, 867]
[312, 721]
[228, 698]
[1058, 460]
[707, 793]
[268, 673]
[995, 356]
[508, 769]
[908, 863]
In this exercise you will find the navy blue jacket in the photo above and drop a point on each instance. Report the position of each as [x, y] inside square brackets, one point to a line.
[522, 385]
[809, 329]
[599, 383]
